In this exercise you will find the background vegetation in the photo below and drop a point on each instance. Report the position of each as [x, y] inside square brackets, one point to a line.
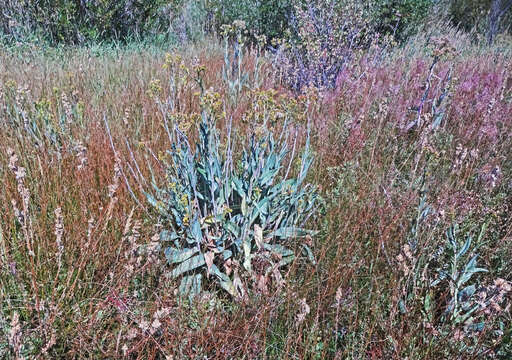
[80, 21]
[385, 127]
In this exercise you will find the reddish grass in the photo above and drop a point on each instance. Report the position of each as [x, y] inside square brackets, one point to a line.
[103, 300]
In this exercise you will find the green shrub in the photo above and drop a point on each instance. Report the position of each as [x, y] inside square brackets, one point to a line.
[78, 21]
[400, 17]
[265, 17]
[470, 14]
[473, 15]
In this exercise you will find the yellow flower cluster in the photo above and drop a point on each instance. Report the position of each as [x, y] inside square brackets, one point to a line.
[172, 61]
[270, 109]
[155, 88]
[212, 102]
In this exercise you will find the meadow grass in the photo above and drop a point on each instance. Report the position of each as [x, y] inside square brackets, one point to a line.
[82, 273]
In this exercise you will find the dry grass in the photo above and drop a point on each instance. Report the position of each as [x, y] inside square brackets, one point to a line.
[81, 274]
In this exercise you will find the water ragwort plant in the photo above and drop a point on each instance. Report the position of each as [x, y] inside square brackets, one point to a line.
[227, 220]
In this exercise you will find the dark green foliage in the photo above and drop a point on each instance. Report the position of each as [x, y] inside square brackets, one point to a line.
[400, 17]
[77, 21]
[264, 17]
[473, 15]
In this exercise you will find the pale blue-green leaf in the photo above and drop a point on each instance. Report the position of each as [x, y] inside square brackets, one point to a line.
[246, 245]
[243, 206]
[467, 275]
[190, 285]
[151, 200]
[476, 326]
[188, 265]
[471, 264]
[232, 228]
[466, 293]
[195, 230]
[226, 254]
[288, 232]
[462, 318]
[482, 233]
[278, 249]
[166, 235]
[401, 306]
[286, 260]
[427, 305]
[237, 184]
[267, 177]
[224, 280]
[465, 247]
[450, 234]
[309, 253]
[450, 307]
[437, 120]
[176, 256]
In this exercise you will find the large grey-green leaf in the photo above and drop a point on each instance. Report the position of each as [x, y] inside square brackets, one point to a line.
[176, 256]
[465, 247]
[224, 280]
[278, 249]
[247, 247]
[232, 228]
[190, 285]
[466, 293]
[188, 265]
[195, 230]
[166, 235]
[309, 254]
[290, 232]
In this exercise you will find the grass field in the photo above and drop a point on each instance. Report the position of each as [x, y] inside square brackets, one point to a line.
[412, 157]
